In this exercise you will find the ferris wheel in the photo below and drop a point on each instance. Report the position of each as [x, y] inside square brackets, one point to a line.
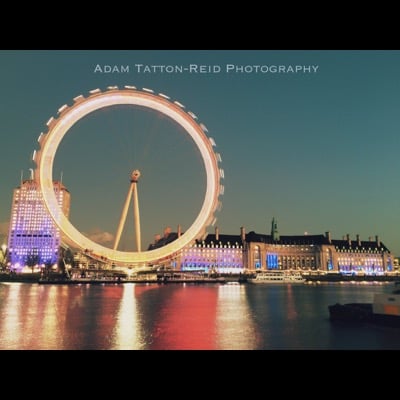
[129, 95]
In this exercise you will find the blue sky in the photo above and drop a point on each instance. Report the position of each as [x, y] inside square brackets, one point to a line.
[316, 150]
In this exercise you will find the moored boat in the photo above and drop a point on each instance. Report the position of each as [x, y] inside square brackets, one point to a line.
[383, 311]
[277, 276]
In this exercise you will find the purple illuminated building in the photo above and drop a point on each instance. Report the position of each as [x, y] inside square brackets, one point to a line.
[33, 237]
[216, 253]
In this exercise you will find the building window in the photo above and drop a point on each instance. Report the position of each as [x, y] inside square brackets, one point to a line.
[272, 261]
[257, 257]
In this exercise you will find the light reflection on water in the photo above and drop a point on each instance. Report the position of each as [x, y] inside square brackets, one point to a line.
[179, 317]
[127, 330]
[11, 331]
[235, 326]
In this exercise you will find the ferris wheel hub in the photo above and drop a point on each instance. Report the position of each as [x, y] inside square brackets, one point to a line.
[135, 175]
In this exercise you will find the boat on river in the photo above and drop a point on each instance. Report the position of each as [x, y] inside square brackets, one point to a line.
[383, 311]
[277, 276]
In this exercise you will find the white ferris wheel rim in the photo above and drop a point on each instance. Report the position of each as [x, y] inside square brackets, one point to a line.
[129, 95]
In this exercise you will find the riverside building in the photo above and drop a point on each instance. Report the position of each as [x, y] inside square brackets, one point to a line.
[258, 251]
[34, 239]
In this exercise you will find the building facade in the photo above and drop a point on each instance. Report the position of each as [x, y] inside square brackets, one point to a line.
[254, 251]
[216, 253]
[317, 253]
[33, 237]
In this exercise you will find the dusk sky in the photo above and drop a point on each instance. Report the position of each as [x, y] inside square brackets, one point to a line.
[317, 148]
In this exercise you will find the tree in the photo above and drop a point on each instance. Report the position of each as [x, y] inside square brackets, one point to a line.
[32, 259]
[3, 257]
[62, 262]
[69, 257]
[47, 268]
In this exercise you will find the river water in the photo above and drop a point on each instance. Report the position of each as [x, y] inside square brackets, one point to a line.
[178, 316]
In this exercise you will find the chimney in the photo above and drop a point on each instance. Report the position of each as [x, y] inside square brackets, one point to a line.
[358, 240]
[348, 239]
[216, 233]
[179, 230]
[167, 231]
[378, 242]
[242, 234]
[328, 236]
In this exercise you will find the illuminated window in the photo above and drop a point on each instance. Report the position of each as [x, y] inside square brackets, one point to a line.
[272, 261]
[257, 257]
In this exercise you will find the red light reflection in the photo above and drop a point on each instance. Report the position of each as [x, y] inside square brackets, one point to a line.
[187, 320]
